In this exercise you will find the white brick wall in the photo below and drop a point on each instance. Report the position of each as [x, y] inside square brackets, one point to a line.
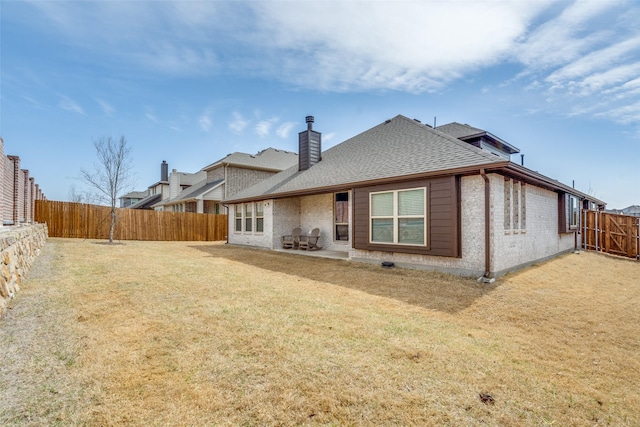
[286, 217]
[539, 240]
[262, 240]
[307, 212]
[317, 212]
[509, 248]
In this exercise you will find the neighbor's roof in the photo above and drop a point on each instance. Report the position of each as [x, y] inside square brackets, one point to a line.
[400, 147]
[193, 192]
[269, 159]
[135, 195]
[147, 202]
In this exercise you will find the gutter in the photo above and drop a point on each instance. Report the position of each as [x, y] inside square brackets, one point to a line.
[536, 178]
[468, 170]
[487, 230]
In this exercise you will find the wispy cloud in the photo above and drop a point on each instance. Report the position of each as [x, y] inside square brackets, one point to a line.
[568, 51]
[69, 104]
[328, 136]
[34, 102]
[150, 115]
[411, 46]
[263, 127]
[284, 129]
[585, 61]
[563, 38]
[624, 114]
[595, 61]
[205, 122]
[107, 108]
[238, 123]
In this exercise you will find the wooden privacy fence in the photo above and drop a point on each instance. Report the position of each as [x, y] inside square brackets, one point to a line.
[79, 220]
[611, 233]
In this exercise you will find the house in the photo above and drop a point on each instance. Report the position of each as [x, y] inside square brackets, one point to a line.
[132, 198]
[633, 210]
[154, 194]
[204, 191]
[446, 199]
[179, 184]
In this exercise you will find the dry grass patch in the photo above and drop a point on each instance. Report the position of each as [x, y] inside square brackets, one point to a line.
[198, 334]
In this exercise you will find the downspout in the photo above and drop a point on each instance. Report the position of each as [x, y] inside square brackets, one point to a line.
[583, 240]
[597, 230]
[575, 233]
[224, 196]
[224, 165]
[227, 208]
[487, 230]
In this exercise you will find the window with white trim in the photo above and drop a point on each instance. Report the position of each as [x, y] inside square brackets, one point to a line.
[574, 212]
[398, 217]
[341, 216]
[238, 218]
[259, 217]
[568, 213]
[248, 217]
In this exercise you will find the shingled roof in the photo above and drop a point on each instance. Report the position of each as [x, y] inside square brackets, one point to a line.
[458, 130]
[400, 147]
[473, 135]
[269, 159]
[195, 191]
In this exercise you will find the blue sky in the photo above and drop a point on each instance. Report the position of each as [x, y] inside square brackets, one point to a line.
[190, 82]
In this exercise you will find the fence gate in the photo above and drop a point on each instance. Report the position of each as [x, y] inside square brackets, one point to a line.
[611, 233]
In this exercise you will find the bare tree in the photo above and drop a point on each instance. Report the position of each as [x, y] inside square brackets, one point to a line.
[82, 196]
[112, 173]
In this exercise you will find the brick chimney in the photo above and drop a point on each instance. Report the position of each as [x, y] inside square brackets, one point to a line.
[164, 171]
[309, 146]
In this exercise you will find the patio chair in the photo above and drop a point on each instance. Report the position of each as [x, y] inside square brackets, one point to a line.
[291, 241]
[309, 242]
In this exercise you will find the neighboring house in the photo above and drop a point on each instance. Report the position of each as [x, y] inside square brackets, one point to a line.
[446, 199]
[155, 193]
[633, 210]
[132, 198]
[204, 191]
[180, 184]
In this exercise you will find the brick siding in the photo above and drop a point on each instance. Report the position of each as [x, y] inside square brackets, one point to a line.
[18, 191]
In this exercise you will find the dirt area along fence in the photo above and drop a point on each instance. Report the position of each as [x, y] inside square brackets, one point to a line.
[80, 220]
[611, 233]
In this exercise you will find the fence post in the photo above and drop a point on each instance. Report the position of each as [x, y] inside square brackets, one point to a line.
[596, 230]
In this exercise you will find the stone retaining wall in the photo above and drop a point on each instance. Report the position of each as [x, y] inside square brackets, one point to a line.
[19, 246]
